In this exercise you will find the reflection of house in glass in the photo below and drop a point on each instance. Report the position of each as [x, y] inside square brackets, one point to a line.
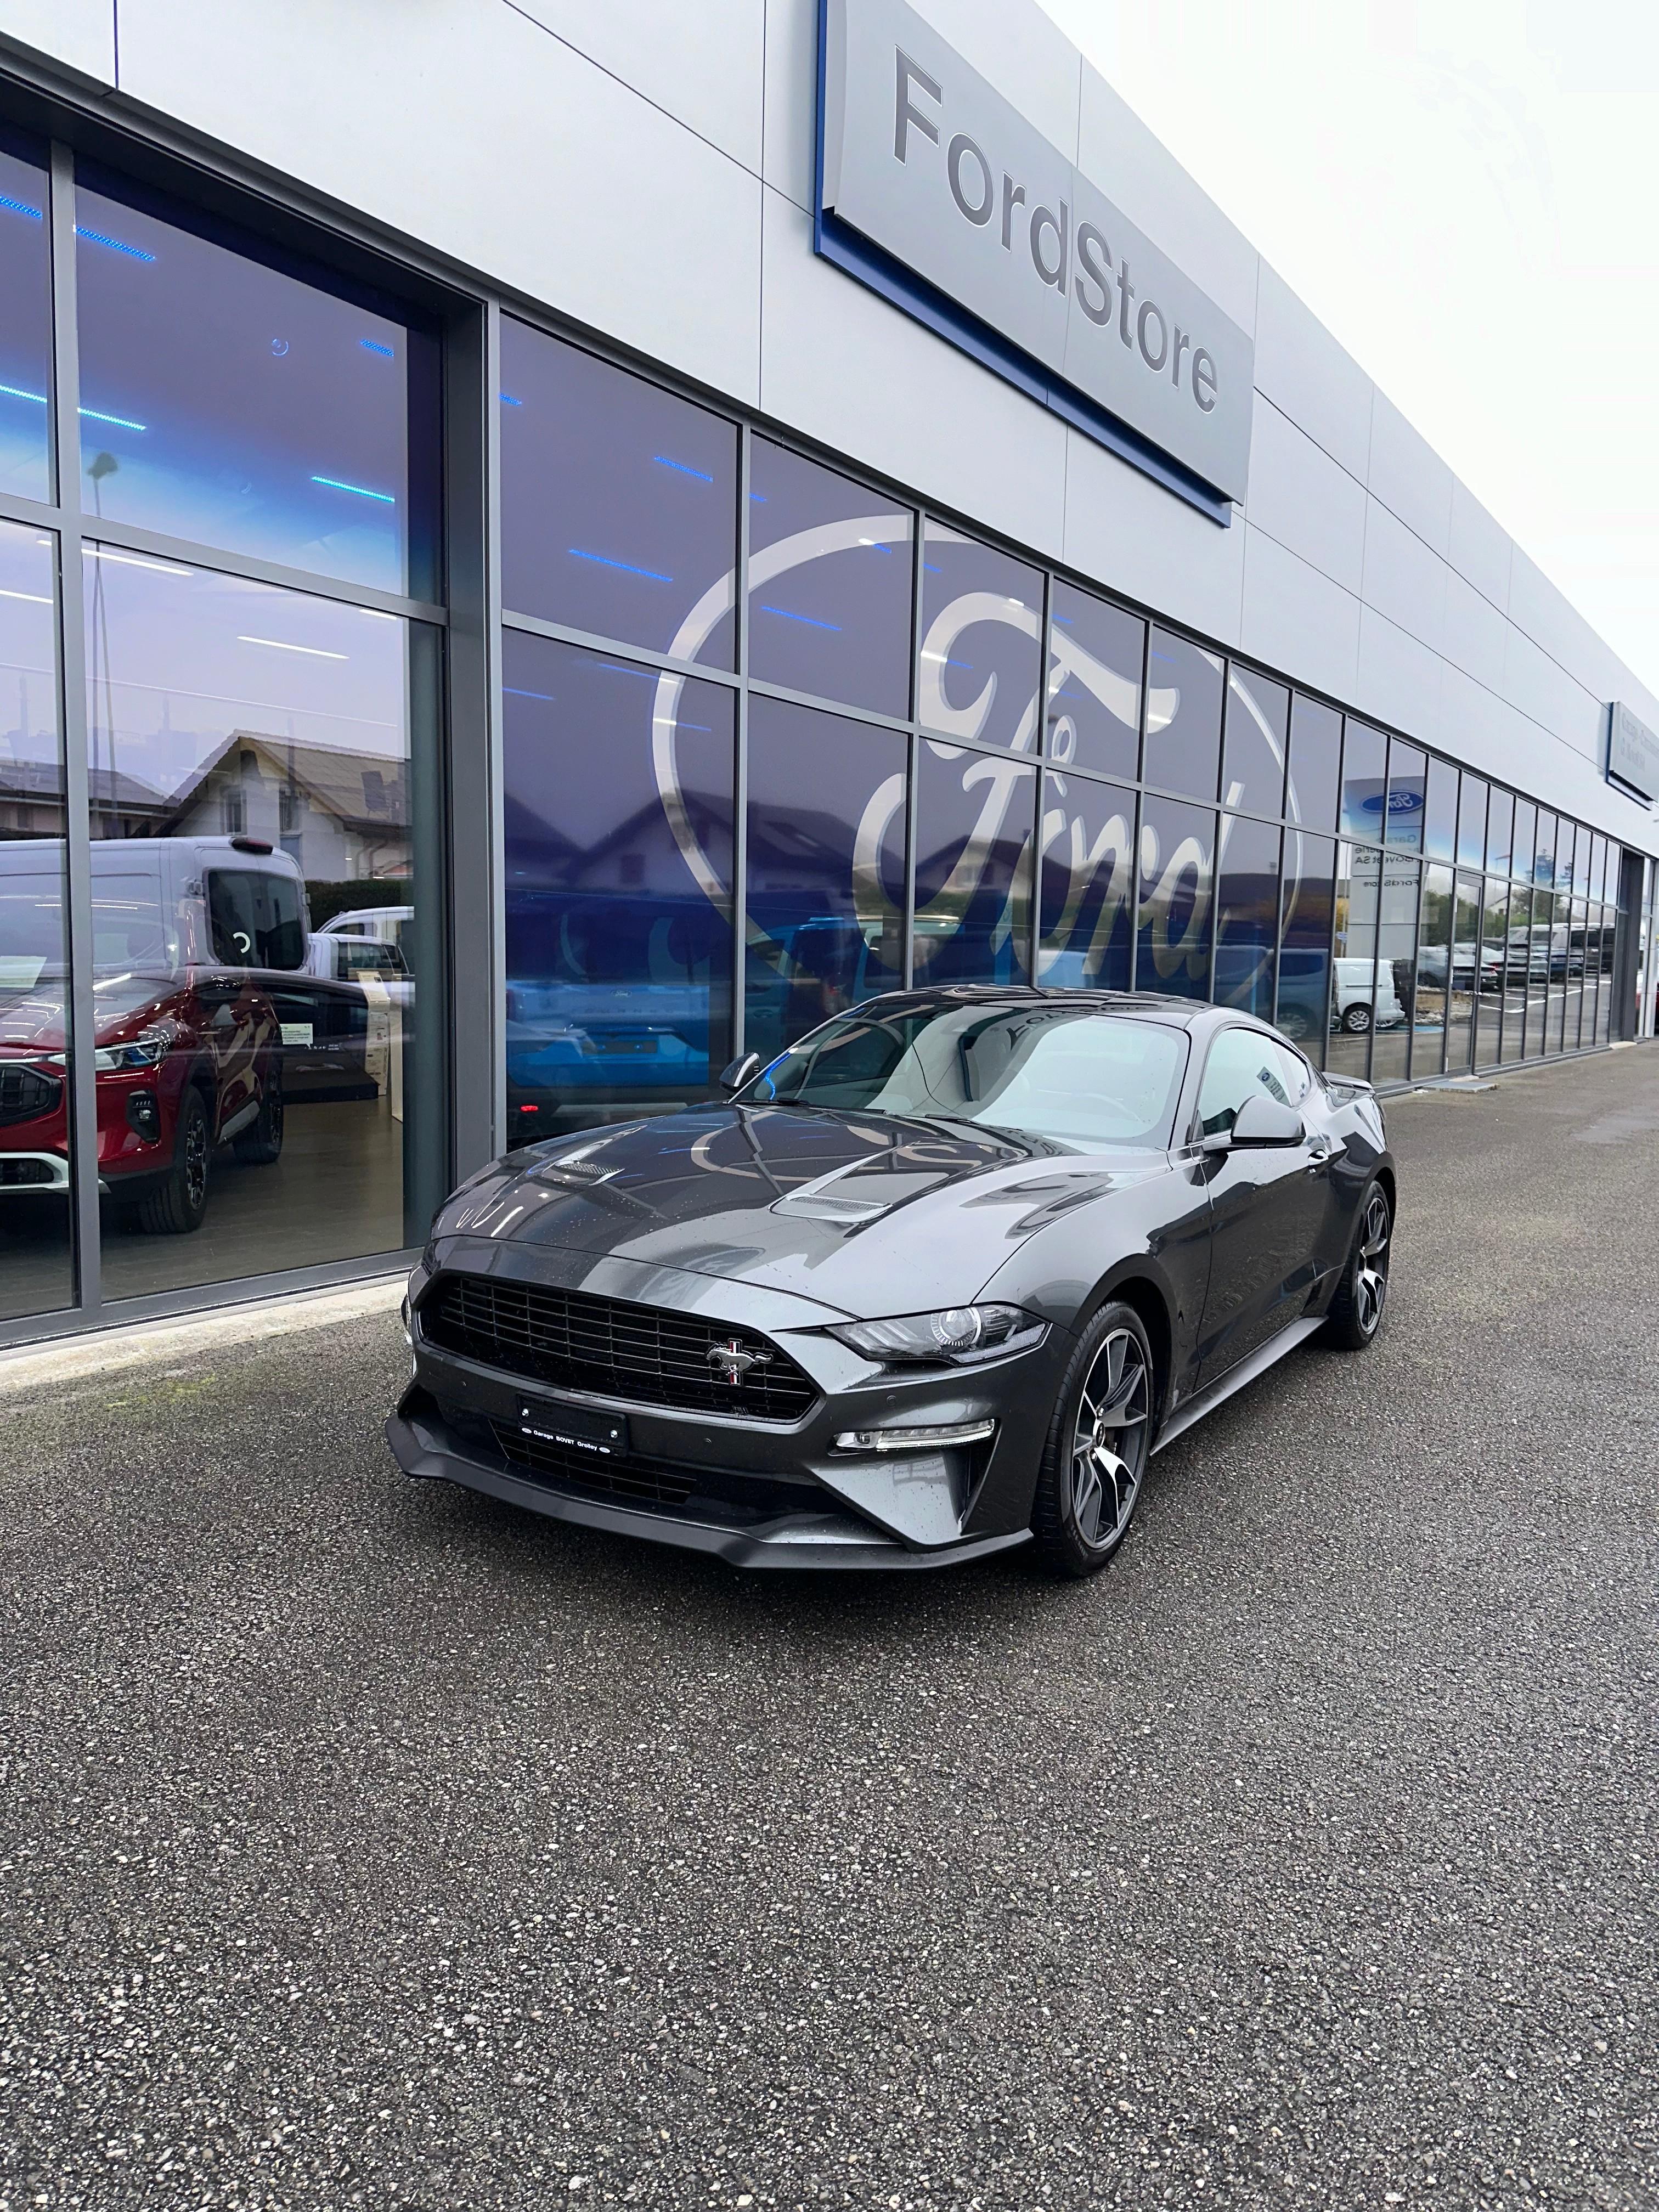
[343, 815]
[32, 801]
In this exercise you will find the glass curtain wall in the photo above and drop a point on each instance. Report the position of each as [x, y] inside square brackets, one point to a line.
[775, 741]
[231, 584]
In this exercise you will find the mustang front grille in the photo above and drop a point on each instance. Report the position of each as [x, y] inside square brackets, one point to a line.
[26, 1094]
[614, 1349]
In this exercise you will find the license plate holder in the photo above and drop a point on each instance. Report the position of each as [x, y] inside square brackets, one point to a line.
[576, 1428]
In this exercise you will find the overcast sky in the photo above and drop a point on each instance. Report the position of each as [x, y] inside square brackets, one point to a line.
[1464, 191]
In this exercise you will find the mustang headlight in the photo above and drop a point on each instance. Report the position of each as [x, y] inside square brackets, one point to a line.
[956, 1334]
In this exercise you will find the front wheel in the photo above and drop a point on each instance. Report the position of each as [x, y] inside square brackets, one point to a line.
[177, 1206]
[1356, 1313]
[261, 1141]
[1099, 1441]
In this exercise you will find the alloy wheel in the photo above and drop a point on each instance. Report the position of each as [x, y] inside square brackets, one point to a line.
[196, 1159]
[1108, 1442]
[1371, 1271]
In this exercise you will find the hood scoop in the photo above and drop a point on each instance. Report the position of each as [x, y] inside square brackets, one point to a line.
[861, 1191]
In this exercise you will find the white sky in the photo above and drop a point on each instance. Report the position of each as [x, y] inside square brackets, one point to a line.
[1465, 192]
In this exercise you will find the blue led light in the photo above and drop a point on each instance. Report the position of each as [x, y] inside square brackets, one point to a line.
[932, 568]
[508, 400]
[968, 665]
[334, 483]
[703, 727]
[373, 345]
[13, 391]
[20, 206]
[97, 414]
[616, 668]
[513, 692]
[684, 467]
[628, 567]
[115, 245]
[759, 498]
[810, 621]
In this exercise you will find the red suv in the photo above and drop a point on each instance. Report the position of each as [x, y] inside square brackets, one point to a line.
[187, 1044]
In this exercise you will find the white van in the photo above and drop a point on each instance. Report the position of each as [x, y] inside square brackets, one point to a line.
[1353, 987]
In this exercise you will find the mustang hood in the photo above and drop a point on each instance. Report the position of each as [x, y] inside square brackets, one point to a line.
[864, 1213]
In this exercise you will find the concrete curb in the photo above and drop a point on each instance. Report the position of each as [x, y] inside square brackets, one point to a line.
[114, 1350]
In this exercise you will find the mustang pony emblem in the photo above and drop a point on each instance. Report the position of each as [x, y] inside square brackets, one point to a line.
[734, 1359]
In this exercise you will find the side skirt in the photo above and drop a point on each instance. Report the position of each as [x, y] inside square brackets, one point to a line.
[1264, 1357]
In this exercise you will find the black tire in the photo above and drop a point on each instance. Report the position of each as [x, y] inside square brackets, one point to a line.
[1355, 1312]
[1355, 1020]
[261, 1142]
[177, 1205]
[1087, 1491]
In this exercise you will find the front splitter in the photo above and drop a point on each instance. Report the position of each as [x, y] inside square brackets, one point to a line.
[818, 1543]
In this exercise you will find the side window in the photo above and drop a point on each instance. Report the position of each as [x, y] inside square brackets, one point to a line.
[1241, 1060]
[1294, 1072]
[256, 919]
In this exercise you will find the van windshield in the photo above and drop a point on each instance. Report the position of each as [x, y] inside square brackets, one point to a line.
[1072, 1075]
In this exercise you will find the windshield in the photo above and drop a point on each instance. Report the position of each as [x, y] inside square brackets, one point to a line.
[1072, 1075]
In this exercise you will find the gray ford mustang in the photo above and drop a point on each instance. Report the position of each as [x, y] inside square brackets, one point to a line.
[936, 1282]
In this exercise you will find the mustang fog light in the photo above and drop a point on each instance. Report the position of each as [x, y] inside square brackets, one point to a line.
[914, 1439]
[958, 1333]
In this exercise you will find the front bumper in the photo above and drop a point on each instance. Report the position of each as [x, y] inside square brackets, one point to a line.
[428, 1450]
[759, 1493]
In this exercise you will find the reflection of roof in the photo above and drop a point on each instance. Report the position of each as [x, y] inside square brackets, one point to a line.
[43, 780]
[367, 791]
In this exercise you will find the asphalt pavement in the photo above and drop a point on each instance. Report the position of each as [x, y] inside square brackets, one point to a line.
[368, 1844]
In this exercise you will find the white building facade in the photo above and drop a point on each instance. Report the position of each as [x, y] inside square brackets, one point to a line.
[759, 505]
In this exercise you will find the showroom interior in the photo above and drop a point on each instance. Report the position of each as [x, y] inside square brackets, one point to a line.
[531, 730]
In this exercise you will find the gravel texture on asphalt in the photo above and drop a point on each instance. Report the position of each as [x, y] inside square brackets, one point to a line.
[368, 1844]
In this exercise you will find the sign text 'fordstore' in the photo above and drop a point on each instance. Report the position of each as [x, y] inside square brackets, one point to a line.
[1019, 257]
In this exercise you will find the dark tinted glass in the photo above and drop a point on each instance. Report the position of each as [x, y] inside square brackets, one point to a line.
[1526, 830]
[35, 1275]
[1247, 915]
[1500, 829]
[1598, 867]
[1183, 716]
[1440, 811]
[1304, 1005]
[1407, 797]
[826, 868]
[1256, 737]
[25, 329]
[1315, 760]
[1088, 883]
[1489, 983]
[1177, 864]
[223, 708]
[228, 402]
[1516, 940]
[619, 502]
[1466, 941]
[974, 822]
[829, 584]
[1363, 793]
[618, 886]
[1355, 977]
[1096, 655]
[981, 616]
[1471, 818]
[1397, 951]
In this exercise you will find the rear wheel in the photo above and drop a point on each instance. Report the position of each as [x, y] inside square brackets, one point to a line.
[261, 1142]
[1357, 1020]
[1098, 1443]
[1356, 1313]
[177, 1205]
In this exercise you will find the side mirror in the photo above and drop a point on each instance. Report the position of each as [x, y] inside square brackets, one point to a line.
[737, 1072]
[1264, 1120]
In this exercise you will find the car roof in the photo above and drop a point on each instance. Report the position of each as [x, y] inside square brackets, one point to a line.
[1148, 1005]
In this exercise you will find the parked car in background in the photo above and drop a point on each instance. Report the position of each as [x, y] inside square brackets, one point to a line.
[186, 1039]
[375, 960]
[386, 925]
[1363, 996]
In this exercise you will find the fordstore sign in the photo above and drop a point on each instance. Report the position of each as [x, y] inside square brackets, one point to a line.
[933, 189]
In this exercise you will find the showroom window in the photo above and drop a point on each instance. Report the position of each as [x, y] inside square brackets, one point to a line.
[254, 794]
[869, 780]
